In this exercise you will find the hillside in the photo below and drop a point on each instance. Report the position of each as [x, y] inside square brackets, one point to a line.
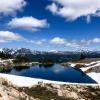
[37, 56]
[48, 91]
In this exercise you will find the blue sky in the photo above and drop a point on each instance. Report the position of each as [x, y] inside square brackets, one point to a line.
[50, 24]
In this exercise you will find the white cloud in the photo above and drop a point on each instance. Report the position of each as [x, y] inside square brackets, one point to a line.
[28, 23]
[53, 8]
[6, 36]
[96, 40]
[57, 40]
[74, 43]
[37, 42]
[8, 7]
[2, 41]
[73, 9]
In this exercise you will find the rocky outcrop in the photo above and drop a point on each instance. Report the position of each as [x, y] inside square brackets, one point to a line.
[44, 91]
[64, 92]
[79, 65]
[10, 92]
[76, 92]
[13, 94]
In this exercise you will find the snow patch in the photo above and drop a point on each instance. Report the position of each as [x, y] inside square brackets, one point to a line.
[21, 81]
[95, 76]
[86, 68]
[72, 64]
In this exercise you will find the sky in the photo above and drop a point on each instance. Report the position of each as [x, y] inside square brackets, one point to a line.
[49, 25]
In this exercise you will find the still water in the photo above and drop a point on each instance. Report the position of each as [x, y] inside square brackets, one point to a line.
[55, 72]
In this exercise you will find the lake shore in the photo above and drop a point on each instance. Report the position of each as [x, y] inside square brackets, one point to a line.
[89, 66]
[39, 89]
[28, 82]
[23, 88]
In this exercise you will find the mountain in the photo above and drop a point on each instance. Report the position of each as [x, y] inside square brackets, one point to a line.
[56, 56]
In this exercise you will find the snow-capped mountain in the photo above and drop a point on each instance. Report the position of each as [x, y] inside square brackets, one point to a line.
[57, 56]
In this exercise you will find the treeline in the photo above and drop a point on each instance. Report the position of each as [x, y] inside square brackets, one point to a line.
[21, 59]
[4, 55]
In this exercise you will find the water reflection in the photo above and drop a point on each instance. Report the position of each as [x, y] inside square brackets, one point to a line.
[46, 65]
[20, 68]
[6, 70]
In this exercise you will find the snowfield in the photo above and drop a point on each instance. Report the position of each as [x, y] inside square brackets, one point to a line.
[21, 81]
[95, 76]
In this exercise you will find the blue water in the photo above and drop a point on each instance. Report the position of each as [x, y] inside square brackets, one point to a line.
[56, 72]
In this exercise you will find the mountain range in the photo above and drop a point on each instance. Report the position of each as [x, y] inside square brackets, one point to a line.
[56, 56]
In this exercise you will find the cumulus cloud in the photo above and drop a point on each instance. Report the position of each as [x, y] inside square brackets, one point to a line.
[96, 40]
[58, 40]
[74, 43]
[8, 7]
[28, 23]
[73, 9]
[9, 36]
